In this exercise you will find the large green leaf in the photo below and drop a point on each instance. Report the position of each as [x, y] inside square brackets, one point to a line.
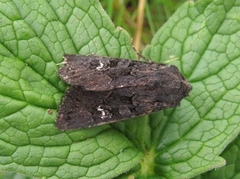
[34, 35]
[203, 38]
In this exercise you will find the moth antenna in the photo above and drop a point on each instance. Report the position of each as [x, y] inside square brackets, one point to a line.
[141, 56]
[61, 63]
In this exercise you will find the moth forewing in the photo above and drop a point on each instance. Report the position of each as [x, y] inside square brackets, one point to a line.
[106, 90]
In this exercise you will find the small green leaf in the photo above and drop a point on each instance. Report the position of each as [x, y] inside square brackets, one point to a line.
[231, 170]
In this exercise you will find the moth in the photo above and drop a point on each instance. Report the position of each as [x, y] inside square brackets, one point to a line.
[106, 90]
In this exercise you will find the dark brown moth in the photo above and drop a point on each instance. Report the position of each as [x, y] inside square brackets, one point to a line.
[105, 90]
